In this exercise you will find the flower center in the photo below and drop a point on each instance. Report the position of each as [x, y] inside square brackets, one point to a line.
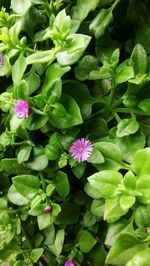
[81, 149]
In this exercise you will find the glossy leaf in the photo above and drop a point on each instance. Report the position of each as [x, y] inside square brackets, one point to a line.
[140, 163]
[26, 185]
[124, 74]
[41, 57]
[141, 258]
[62, 184]
[18, 69]
[15, 197]
[125, 247]
[139, 59]
[142, 216]
[105, 182]
[74, 50]
[101, 22]
[126, 127]
[86, 241]
[113, 210]
[21, 6]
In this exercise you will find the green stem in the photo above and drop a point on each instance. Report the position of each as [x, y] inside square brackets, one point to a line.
[114, 5]
[43, 181]
[129, 111]
[26, 236]
[111, 95]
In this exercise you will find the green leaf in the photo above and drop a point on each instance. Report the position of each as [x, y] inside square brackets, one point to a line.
[85, 101]
[97, 207]
[36, 121]
[6, 67]
[80, 12]
[125, 247]
[14, 32]
[139, 59]
[126, 127]
[143, 186]
[86, 241]
[61, 25]
[145, 105]
[21, 6]
[124, 74]
[15, 122]
[72, 53]
[142, 216]
[52, 152]
[11, 166]
[67, 114]
[38, 162]
[141, 258]
[36, 254]
[85, 66]
[54, 72]
[109, 150]
[113, 210]
[96, 157]
[41, 57]
[91, 191]
[130, 180]
[79, 170]
[56, 248]
[24, 154]
[97, 128]
[26, 185]
[101, 22]
[105, 182]
[126, 202]
[88, 219]
[102, 73]
[114, 230]
[3, 203]
[140, 163]
[33, 80]
[21, 90]
[62, 184]
[15, 197]
[45, 220]
[18, 69]
[130, 144]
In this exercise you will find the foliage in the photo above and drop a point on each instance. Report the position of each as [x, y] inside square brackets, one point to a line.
[83, 71]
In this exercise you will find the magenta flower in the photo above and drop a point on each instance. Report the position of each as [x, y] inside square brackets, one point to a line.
[1, 59]
[48, 208]
[81, 149]
[21, 109]
[69, 263]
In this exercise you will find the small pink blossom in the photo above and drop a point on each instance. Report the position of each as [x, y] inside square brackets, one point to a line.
[48, 208]
[81, 149]
[21, 109]
[69, 263]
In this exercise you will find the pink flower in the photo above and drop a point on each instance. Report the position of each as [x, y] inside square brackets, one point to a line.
[69, 263]
[1, 59]
[81, 149]
[48, 208]
[21, 109]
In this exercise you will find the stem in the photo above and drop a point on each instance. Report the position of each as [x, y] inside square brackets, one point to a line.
[43, 181]
[114, 5]
[129, 111]
[26, 236]
[111, 95]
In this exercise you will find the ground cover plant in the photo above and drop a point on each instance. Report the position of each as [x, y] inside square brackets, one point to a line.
[75, 132]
